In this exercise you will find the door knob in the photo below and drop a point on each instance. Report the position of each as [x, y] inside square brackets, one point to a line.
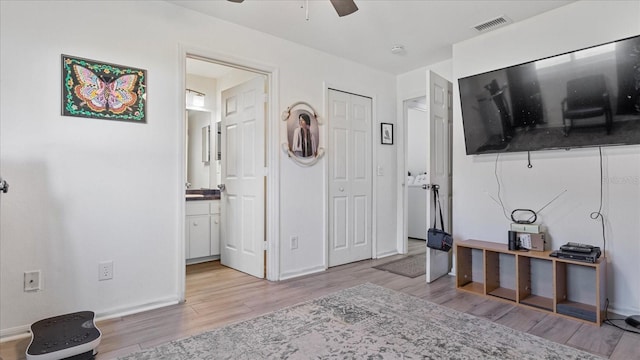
[222, 187]
[341, 189]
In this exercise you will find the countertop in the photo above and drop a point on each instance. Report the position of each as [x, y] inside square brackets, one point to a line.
[202, 194]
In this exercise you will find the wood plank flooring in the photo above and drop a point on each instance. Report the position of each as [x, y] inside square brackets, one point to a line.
[217, 296]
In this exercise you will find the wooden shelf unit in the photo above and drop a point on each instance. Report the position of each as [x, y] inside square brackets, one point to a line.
[487, 282]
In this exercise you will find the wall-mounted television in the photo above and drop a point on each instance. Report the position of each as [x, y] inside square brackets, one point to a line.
[587, 97]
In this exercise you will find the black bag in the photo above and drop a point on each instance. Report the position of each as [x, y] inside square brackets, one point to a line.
[438, 238]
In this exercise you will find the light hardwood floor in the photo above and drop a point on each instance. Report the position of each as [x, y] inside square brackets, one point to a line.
[217, 296]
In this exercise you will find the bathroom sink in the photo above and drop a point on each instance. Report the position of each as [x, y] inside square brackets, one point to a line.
[189, 196]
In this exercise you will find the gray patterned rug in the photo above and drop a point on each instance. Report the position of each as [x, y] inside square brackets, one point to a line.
[410, 266]
[363, 322]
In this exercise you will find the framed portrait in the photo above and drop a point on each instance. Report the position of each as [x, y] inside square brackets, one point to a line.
[99, 90]
[386, 133]
[302, 133]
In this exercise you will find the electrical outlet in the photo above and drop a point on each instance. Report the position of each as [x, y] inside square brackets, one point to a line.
[294, 242]
[32, 280]
[105, 270]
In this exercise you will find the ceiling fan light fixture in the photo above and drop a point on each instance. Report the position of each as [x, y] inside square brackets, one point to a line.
[344, 7]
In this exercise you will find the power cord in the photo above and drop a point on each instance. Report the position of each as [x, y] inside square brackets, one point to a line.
[595, 215]
[495, 172]
[598, 214]
[611, 321]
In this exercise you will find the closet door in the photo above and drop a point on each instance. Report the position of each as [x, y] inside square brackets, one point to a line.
[350, 183]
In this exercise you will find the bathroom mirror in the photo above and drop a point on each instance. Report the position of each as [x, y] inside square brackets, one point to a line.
[198, 149]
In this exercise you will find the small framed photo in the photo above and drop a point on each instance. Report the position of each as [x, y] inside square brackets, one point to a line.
[386, 133]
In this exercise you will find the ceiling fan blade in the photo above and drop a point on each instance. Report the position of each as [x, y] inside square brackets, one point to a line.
[344, 7]
[236, 1]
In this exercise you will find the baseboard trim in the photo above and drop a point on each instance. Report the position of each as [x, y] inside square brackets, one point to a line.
[387, 254]
[15, 333]
[116, 313]
[302, 272]
[21, 332]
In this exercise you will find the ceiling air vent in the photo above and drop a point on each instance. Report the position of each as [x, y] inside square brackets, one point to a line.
[493, 24]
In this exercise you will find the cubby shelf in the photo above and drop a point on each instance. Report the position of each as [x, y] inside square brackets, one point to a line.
[509, 276]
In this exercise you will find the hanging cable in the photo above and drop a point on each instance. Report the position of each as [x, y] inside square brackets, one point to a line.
[598, 214]
[501, 203]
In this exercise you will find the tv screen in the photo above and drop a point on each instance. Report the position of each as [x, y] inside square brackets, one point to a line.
[588, 97]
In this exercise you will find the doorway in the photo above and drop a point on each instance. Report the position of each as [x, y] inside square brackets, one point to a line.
[206, 81]
[435, 153]
[416, 122]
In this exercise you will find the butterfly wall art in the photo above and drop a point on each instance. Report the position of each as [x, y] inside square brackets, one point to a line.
[103, 91]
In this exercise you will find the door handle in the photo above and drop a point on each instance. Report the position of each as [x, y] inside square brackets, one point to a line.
[222, 187]
[4, 185]
[431, 186]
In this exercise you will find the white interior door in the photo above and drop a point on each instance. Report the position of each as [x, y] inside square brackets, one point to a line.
[439, 165]
[243, 171]
[350, 186]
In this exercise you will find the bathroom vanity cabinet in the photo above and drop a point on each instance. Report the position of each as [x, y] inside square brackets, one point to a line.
[202, 228]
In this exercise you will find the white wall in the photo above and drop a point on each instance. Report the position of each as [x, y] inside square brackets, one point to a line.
[577, 171]
[84, 190]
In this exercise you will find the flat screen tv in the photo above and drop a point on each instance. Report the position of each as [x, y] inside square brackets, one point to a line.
[587, 97]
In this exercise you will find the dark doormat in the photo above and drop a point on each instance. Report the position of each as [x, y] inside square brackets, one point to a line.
[411, 266]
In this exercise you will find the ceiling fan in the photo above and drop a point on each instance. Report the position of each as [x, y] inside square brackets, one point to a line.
[343, 7]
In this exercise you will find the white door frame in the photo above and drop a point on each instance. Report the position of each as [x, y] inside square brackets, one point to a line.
[272, 193]
[374, 160]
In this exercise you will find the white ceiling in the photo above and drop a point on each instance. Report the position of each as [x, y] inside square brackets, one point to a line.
[426, 28]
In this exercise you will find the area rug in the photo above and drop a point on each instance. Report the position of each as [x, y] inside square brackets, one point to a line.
[363, 322]
[410, 266]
